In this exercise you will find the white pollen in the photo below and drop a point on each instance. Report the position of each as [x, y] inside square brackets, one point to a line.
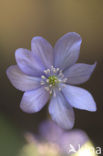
[62, 76]
[50, 85]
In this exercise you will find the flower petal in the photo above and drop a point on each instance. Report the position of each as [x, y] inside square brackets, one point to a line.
[50, 131]
[43, 49]
[21, 81]
[70, 141]
[61, 112]
[28, 63]
[79, 98]
[34, 101]
[67, 50]
[79, 73]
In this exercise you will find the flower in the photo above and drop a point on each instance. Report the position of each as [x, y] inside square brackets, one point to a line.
[47, 73]
[53, 140]
[68, 142]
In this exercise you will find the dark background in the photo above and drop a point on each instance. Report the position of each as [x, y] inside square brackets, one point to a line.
[20, 20]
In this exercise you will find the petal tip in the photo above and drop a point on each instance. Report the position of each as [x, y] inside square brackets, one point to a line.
[8, 71]
[74, 34]
[24, 109]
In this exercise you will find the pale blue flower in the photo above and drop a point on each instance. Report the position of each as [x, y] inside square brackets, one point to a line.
[68, 142]
[58, 140]
[47, 74]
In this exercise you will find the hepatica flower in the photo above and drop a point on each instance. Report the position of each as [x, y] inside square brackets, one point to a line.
[48, 74]
[68, 142]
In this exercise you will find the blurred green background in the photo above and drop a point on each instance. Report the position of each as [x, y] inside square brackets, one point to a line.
[20, 20]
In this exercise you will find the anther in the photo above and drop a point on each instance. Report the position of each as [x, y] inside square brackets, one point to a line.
[60, 74]
[47, 88]
[65, 80]
[50, 92]
[54, 70]
[57, 69]
[43, 77]
[56, 81]
[45, 71]
[60, 89]
[42, 83]
[51, 66]
[47, 80]
[50, 85]
[48, 71]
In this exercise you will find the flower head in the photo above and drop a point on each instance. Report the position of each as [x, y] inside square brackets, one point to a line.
[47, 73]
[53, 140]
[68, 142]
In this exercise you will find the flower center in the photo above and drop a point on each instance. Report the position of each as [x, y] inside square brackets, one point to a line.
[52, 78]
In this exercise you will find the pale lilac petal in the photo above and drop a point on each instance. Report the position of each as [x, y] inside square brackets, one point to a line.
[21, 81]
[71, 141]
[67, 50]
[79, 73]
[50, 131]
[34, 101]
[61, 112]
[43, 49]
[29, 64]
[79, 98]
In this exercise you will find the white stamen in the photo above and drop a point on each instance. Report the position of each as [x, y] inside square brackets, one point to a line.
[60, 89]
[47, 88]
[50, 92]
[56, 81]
[43, 77]
[52, 67]
[47, 80]
[48, 71]
[54, 70]
[65, 80]
[57, 69]
[50, 85]
[42, 83]
[60, 74]
[45, 71]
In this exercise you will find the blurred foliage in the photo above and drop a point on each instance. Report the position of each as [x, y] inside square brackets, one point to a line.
[11, 140]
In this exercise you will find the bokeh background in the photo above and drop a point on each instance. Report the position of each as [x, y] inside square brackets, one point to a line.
[20, 20]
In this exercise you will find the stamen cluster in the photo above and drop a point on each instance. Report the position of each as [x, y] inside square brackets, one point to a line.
[52, 78]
